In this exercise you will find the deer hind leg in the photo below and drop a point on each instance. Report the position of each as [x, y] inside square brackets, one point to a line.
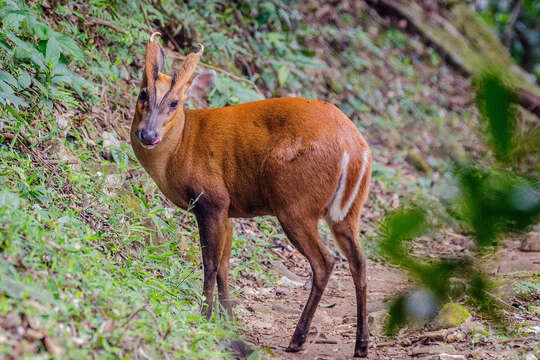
[304, 236]
[346, 234]
[343, 217]
[223, 267]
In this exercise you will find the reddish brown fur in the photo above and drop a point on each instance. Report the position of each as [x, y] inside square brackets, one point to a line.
[277, 157]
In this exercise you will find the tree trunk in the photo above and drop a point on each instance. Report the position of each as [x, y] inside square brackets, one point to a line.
[466, 42]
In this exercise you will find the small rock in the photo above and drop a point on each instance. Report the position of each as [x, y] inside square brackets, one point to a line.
[63, 153]
[109, 139]
[405, 342]
[530, 356]
[124, 73]
[432, 350]
[472, 326]
[531, 242]
[479, 354]
[393, 138]
[114, 181]
[281, 291]
[451, 357]
[239, 348]
[454, 337]
[451, 315]
[376, 321]
[284, 309]
[433, 336]
[280, 268]
[286, 282]
[38, 306]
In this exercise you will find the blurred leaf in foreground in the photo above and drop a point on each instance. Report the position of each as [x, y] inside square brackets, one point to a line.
[495, 102]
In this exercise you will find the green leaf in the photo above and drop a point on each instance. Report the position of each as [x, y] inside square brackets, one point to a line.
[41, 30]
[283, 75]
[13, 99]
[26, 50]
[119, 156]
[69, 46]
[8, 78]
[24, 80]
[52, 53]
[5, 88]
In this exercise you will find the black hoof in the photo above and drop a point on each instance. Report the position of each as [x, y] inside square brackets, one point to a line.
[293, 348]
[361, 350]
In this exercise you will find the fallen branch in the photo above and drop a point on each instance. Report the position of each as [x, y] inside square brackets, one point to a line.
[145, 15]
[96, 21]
[466, 42]
[529, 101]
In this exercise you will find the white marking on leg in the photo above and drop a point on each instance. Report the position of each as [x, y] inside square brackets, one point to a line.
[336, 212]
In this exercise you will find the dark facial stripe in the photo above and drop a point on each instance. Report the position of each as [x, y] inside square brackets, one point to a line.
[174, 77]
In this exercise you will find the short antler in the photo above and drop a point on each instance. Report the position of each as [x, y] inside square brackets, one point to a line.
[153, 65]
[157, 33]
[182, 75]
[200, 52]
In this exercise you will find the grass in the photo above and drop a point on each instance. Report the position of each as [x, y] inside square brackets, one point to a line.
[85, 269]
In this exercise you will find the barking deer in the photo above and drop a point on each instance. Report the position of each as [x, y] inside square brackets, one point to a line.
[297, 159]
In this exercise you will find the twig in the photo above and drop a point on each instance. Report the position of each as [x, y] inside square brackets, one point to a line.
[186, 277]
[507, 36]
[143, 308]
[182, 57]
[138, 310]
[521, 339]
[500, 301]
[171, 38]
[145, 17]
[452, 234]
[317, 335]
[93, 20]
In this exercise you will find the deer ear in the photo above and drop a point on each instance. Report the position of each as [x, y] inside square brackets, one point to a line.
[201, 85]
[154, 62]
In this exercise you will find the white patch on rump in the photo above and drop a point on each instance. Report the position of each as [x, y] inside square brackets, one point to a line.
[336, 212]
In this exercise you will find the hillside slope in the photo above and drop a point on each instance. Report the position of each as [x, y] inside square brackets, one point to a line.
[94, 262]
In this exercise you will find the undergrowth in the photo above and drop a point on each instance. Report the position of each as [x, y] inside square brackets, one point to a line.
[90, 251]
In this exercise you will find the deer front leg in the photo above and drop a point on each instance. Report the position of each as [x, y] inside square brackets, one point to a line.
[223, 267]
[211, 220]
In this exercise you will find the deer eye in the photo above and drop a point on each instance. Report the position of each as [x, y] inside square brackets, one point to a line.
[143, 96]
[174, 104]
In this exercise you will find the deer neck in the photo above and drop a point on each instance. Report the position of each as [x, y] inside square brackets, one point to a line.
[156, 160]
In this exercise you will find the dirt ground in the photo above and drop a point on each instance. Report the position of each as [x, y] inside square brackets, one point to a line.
[270, 314]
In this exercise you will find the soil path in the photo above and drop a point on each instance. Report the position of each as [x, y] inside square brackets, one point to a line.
[270, 314]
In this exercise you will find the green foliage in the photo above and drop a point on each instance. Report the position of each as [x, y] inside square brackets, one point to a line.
[491, 201]
[102, 271]
[400, 227]
[496, 202]
[495, 102]
[37, 55]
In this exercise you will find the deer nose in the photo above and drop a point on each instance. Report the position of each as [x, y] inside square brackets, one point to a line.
[149, 137]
